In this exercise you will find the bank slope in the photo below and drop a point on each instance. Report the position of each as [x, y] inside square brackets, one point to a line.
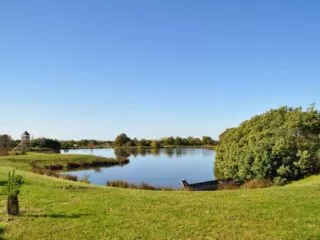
[59, 209]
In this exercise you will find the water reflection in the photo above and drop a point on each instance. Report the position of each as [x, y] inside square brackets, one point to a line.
[163, 167]
[136, 152]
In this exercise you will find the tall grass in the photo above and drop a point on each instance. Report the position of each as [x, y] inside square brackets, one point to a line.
[256, 183]
[143, 185]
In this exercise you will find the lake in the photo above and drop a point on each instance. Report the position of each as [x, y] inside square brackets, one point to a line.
[156, 167]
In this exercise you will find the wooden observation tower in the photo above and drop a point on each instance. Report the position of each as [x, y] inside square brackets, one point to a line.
[24, 144]
[25, 138]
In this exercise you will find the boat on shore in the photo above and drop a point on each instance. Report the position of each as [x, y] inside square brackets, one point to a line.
[210, 185]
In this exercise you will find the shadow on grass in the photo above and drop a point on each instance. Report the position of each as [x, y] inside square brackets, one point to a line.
[3, 183]
[55, 215]
[71, 187]
[1, 233]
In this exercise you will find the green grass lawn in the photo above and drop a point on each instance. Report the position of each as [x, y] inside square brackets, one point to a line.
[42, 160]
[53, 208]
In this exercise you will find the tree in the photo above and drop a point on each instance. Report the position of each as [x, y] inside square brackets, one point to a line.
[178, 141]
[168, 141]
[121, 140]
[135, 142]
[197, 141]
[13, 191]
[144, 143]
[190, 141]
[67, 144]
[92, 143]
[84, 142]
[155, 144]
[206, 140]
[52, 144]
[6, 143]
[280, 145]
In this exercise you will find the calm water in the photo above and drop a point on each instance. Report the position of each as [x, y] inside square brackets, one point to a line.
[159, 168]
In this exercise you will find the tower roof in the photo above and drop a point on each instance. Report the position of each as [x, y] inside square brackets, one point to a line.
[26, 133]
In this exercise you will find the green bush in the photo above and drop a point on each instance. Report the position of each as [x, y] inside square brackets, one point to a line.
[14, 184]
[46, 143]
[13, 190]
[279, 145]
[6, 144]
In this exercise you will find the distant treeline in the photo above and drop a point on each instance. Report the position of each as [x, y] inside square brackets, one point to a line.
[85, 143]
[122, 140]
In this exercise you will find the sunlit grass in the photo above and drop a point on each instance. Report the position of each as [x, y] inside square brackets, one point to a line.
[59, 209]
[24, 162]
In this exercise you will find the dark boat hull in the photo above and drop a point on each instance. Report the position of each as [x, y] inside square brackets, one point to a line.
[206, 186]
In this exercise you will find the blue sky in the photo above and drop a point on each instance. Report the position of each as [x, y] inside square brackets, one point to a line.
[93, 69]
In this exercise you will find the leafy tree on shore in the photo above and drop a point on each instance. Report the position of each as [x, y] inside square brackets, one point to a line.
[206, 140]
[155, 144]
[279, 145]
[6, 143]
[121, 140]
[178, 141]
[168, 141]
[144, 143]
[52, 144]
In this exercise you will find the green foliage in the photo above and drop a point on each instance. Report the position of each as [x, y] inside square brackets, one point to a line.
[178, 141]
[168, 141]
[85, 143]
[46, 143]
[67, 144]
[6, 143]
[14, 184]
[144, 143]
[155, 144]
[206, 140]
[279, 145]
[121, 140]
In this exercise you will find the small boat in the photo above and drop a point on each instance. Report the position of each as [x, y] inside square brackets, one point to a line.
[208, 185]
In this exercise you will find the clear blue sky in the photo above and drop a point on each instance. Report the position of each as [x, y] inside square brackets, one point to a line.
[93, 69]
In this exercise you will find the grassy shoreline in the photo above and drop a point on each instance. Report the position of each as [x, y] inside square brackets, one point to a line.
[56, 161]
[53, 208]
[59, 209]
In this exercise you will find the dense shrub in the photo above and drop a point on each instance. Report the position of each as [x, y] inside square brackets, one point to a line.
[121, 140]
[46, 143]
[155, 144]
[6, 144]
[279, 145]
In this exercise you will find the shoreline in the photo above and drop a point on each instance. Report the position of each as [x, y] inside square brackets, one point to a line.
[144, 147]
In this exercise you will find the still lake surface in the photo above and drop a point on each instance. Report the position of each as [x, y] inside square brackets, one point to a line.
[157, 167]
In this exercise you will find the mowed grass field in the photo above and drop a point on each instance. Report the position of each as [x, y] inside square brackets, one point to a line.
[42, 160]
[53, 208]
